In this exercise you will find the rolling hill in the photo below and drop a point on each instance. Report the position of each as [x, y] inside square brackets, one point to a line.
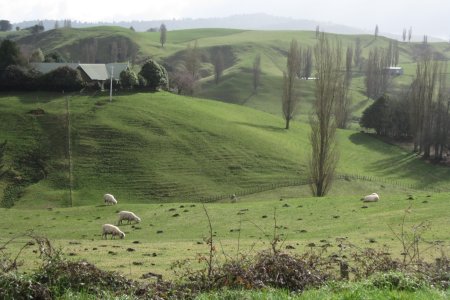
[157, 147]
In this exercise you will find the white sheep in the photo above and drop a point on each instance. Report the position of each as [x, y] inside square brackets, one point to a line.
[129, 216]
[109, 199]
[371, 198]
[112, 230]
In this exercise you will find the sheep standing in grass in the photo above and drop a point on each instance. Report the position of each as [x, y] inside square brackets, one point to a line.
[371, 198]
[109, 199]
[112, 230]
[129, 216]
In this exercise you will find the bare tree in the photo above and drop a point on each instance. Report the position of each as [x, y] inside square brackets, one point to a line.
[192, 60]
[256, 70]
[306, 63]
[358, 52]
[377, 76]
[343, 101]
[324, 155]
[376, 31]
[289, 98]
[421, 98]
[404, 35]
[162, 34]
[218, 65]
[409, 34]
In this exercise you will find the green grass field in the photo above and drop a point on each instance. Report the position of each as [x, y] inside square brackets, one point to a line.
[176, 231]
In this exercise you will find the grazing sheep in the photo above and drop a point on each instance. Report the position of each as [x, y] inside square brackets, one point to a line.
[234, 198]
[112, 230]
[129, 216]
[109, 199]
[371, 198]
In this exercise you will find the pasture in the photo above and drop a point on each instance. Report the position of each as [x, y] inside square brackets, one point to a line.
[176, 231]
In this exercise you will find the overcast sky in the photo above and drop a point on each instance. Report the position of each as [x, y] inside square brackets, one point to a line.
[425, 16]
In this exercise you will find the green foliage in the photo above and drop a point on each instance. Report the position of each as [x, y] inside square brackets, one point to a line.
[11, 194]
[54, 57]
[62, 79]
[375, 116]
[17, 78]
[388, 117]
[37, 56]
[129, 79]
[9, 54]
[155, 75]
[396, 281]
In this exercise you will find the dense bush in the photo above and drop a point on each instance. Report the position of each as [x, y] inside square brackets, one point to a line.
[155, 75]
[388, 117]
[62, 79]
[11, 193]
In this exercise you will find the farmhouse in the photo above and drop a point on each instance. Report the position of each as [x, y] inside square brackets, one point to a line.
[93, 74]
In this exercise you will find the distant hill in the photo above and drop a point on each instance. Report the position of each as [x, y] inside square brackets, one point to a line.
[250, 21]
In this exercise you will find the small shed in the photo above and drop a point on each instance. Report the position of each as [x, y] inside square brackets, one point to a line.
[394, 71]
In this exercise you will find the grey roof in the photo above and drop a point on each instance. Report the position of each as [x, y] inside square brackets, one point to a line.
[118, 68]
[94, 71]
[48, 67]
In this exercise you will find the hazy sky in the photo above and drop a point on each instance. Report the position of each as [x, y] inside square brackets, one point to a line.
[425, 16]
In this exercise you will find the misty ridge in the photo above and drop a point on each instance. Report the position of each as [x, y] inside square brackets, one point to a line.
[260, 21]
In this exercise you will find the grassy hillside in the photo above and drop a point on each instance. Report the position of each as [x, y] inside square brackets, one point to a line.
[240, 46]
[161, 147]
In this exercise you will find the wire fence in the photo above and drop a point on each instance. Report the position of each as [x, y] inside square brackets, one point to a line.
[301, 182]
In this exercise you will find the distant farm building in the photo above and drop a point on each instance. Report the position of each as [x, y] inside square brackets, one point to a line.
[394, 71]
[93, 74]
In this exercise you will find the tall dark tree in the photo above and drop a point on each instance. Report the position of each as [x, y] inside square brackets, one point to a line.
[219, 65]
[404, 35]
[5, 25]
[289, 98]
[256, 72]
[317, 31]
[409, 34]
[9, 54]
[375, 116]
[162, 34]
[376, 31]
